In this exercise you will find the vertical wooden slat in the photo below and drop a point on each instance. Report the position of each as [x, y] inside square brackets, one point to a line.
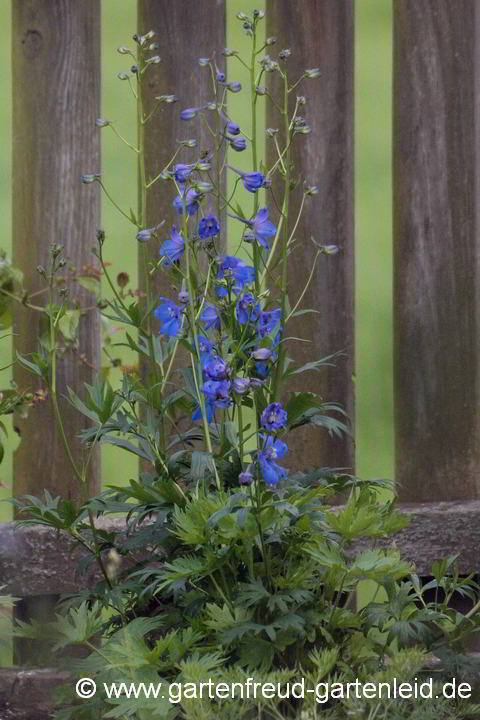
[437, 280]
[185, 31]
[320, 34]
[56, 98]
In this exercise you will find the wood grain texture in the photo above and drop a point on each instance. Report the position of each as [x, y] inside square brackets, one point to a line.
[320, 34]
[56, 98]
[436, 253]
[185, 31]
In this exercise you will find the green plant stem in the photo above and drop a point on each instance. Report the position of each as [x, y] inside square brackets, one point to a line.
[284, 279]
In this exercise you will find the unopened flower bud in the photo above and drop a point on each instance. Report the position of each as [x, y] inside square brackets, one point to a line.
[234, 87]
[122, 76]
[303, 129]
[41, 270]
[220, 76]
[154, 60]
[123, 50]
[190, 143]
[150, 35]
[238, 144]
[183, 297]
[256, 383]
[311, 190]
[241, 385]
[271, 131]
[261, 90]
[101, 122]
[87, 179]
[188, 114]
[204, 186]
[228, 52]
[144, 235]
[249, 236]
[203, 62]
[329, 249]
[271, 41]
[134, 69]
[245, 478]
[241, 16]
[284, 54]
[100, 236]
[301, 100]
[261, 354]
[312, 73]
[258, 14]
[123, 279]
[233, 128]
[166, 98]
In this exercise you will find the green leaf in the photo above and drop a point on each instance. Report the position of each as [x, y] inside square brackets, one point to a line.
[68, 324]
[201, 462]
[90, 283]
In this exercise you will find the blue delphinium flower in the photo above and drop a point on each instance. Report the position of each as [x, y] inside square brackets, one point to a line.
[173, 248]
[242, 273]
[233, 128]
[262, 353]
[181, 172]
[217, 392]
[217, 369]
[247, 309]
[208, 227]
[274, 417]
[251, 181]
[267, 321]
[190, 199]
[205, 347]
[170, 316]
[209, 407]
[209, 316]
[272, 449]
[261, 227]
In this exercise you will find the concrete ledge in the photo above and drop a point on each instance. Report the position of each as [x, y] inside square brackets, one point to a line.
[437, 530]
[27, 694]
[38, 561]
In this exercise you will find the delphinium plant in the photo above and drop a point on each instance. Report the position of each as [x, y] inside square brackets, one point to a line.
[234, 567]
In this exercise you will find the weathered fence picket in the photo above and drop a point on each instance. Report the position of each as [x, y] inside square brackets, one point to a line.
[320, 34]
[436, 251]
[56, 98]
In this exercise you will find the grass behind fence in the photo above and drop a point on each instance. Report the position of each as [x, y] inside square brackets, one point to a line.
[373, 213]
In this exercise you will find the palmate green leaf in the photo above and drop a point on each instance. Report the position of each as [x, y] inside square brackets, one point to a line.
[355, 520]
[182, 569]
[255, 655]
[378, 564]
[79, 625]
[327, 556]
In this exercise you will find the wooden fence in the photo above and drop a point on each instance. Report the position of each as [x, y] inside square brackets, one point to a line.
[56, 75]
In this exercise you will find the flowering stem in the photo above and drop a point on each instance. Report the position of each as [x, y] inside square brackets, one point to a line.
[284, 279]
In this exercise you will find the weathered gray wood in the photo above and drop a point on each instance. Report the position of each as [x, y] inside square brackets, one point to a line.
[320, 34]
[185, 32]
[436, 253]
[56, 98]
